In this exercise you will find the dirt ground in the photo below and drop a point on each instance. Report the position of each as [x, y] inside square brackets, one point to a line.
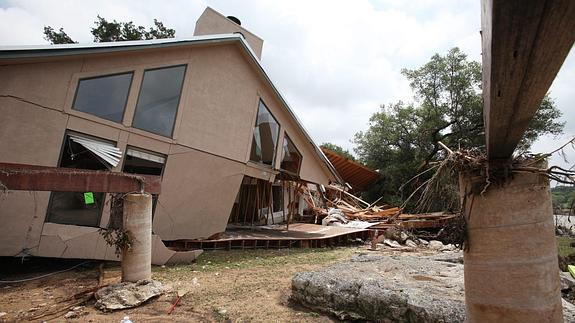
[232, 286]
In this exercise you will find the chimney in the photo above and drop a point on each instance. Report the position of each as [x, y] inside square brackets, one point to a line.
[212, 22]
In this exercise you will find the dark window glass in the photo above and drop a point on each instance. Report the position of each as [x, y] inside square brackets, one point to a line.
[159, 99]
[73, 207]
[291, 158]
[264, 141]
[104, 97]
[139, 162]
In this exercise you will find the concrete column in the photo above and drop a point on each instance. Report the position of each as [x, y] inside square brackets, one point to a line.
[511, 269]
[137, 262]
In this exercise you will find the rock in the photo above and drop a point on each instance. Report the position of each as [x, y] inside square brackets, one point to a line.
[410, 243]
[70, 315]
[3, 314]
[403, 237]
[435, 245]
[447, 247]
[402, 288]
[77, 308]
[391, 243]
[222, 311]
[127, 295]
[423, 242]
[384, 289]
[567, 281]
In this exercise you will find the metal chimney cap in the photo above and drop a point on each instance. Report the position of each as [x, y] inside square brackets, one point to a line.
[234, 19]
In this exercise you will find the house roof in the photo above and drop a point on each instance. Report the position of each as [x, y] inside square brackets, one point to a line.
[357, 175]
[13, 53]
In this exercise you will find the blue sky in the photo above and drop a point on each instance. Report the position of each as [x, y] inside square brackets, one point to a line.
[335, 61]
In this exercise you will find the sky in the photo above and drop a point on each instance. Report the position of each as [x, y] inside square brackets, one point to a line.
[334, 61]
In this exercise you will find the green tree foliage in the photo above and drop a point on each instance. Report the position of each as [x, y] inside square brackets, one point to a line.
[402, 139]
[57, 37]
[109, 31]
[563, 196]
[338, 150]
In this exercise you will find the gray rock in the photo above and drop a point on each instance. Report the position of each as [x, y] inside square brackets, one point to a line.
[567, 281]
[447, 247]
[127, 295]
[403, 237]
[384, 288]
[423, 242]
[435, 245]
[410, 243]
[399, 288]
[70, 315]
[392, 243]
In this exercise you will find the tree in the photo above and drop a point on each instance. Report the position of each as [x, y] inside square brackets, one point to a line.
[338, 150]
[402, 139]
[106, 31]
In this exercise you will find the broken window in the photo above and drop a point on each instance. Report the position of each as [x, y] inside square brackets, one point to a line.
[103, 96]
[81, 208]
[291, 158]
[277, 193]
[159, 99]
[265, 138]
[145, 163]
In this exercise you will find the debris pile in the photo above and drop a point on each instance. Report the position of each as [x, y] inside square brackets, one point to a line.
[344, 209]
[127, 295]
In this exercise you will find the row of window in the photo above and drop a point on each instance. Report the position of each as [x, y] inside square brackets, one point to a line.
[265, 140]
[106, 97]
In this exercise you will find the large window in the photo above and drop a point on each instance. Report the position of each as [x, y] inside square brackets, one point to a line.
[104, 96]
[291, 158]
[264, 141]
[79, 208]
[158, 101]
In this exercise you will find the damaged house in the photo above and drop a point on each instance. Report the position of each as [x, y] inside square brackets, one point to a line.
[202, 113]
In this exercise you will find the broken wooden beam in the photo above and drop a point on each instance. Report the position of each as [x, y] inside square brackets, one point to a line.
[524, 44]
[43, 178]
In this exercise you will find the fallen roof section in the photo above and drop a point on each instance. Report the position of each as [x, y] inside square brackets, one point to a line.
[355, 174]
[9, 54]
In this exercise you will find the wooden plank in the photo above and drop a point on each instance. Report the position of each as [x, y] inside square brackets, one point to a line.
[524, 42]
[42, 178]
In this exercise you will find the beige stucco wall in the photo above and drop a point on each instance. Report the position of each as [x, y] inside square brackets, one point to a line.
[212, 22]
[206, 158]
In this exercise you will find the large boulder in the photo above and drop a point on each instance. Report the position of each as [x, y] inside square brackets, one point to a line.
[396, 288]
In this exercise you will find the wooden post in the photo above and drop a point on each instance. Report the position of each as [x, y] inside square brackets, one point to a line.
[511, 270]
[137, 262]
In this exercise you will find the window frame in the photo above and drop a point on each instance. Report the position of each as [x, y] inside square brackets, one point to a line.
[72, 106]
[177, 105]
[297, 150]
[272, 165]
[67, 134]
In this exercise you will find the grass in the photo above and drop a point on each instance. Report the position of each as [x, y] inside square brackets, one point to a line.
[564, 246]
[247, 285]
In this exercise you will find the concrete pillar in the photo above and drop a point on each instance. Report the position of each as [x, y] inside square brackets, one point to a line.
[137, 262]
[511, 269]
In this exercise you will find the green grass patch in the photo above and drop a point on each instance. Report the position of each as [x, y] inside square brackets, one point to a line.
[564, 246]
[211, 261]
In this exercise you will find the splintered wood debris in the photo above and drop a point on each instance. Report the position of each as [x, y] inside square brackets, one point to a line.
[342, 208]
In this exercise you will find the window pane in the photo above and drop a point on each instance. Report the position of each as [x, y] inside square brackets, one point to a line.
[72, 207]
[291, 158]
[264, 141]
[159, 99]
[104, 97]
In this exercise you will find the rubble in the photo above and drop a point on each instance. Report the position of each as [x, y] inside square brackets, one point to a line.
[127, 295]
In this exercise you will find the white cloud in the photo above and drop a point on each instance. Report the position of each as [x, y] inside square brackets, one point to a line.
[335, 61]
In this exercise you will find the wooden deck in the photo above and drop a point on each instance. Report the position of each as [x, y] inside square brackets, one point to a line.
[299, 235]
